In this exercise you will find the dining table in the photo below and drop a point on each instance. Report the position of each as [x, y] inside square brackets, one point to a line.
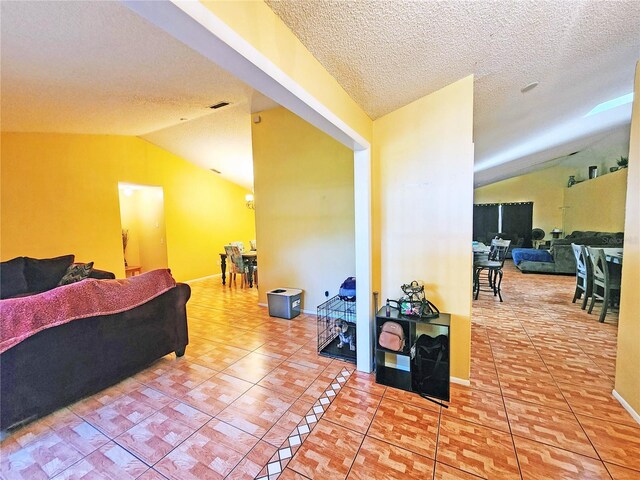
[250, 257]
[613, 255]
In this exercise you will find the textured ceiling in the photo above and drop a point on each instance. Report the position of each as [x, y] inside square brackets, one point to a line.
[98, 68]
[386, 54]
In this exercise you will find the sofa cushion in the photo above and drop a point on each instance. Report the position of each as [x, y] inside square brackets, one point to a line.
[12, 279]
[75, 273]
[531, 254]
[44, 274]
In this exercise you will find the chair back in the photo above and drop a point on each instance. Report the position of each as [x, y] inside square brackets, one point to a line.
[599, 264]
[234, 254]
[584, 268]
[240, 245]
[581, 258]
[498, 250]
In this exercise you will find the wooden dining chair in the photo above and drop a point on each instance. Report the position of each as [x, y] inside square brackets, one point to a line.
[584, 275]
[606, 287]
[236, 264]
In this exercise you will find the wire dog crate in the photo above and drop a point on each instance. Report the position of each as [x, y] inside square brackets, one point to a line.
[333, 316]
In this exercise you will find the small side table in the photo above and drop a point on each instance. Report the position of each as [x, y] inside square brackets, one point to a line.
[132, 271]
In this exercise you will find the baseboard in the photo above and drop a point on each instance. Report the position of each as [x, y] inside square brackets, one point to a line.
[310, 312]
[203, 278]
[626, 406]
[460, 381]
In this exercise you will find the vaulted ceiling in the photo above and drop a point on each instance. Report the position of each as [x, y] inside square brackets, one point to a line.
[99, 68]
[96, 67]
[386, 54]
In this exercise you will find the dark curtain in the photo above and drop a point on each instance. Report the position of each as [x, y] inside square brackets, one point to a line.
[517, 219]
[485, 220]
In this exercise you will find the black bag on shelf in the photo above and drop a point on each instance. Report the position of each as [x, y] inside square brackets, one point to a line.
[430, 366]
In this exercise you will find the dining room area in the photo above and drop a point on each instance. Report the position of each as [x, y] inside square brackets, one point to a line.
[240, 263]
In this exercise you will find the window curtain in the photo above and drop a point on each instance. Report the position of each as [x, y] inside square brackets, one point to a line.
[485, 220]
[517, 219]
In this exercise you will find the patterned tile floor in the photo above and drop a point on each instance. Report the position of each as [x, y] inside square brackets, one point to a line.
[252, 399]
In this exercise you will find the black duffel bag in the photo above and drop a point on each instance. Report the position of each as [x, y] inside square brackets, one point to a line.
[430, 366]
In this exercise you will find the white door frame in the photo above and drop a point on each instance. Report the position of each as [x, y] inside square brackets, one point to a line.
[199, 28]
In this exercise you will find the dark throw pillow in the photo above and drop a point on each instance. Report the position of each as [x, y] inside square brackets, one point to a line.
[12, 279]
[45, 274]
[75, 273]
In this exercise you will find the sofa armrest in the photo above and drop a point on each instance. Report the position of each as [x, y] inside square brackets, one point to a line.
[564, 258]
[101, 274]
[183, 294]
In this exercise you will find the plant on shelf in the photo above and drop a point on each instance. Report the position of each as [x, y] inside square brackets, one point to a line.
[623, 162]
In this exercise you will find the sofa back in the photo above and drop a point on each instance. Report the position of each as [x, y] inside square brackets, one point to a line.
[565, 260]
[591, 238]
[25, 275]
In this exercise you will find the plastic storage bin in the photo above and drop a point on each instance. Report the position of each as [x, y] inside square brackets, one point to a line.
[284, 302]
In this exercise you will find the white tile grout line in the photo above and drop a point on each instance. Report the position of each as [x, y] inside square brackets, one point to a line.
[283, 455]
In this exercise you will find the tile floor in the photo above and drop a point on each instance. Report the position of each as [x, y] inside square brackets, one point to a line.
[252, 399]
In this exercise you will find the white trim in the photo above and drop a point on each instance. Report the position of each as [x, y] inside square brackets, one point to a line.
[364, 315]
[308, 312]
[203, 278]
[460, 381]
[626, 406]
[198, 27]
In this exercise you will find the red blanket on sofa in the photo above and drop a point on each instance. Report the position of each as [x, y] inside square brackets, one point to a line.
[22, 317]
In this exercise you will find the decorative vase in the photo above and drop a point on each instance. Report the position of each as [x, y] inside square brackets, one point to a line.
[572, 181]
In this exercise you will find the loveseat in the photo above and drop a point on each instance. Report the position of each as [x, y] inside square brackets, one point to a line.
[560, 257]
[81, 353]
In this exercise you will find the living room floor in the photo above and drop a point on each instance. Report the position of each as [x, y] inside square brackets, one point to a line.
[252, 399]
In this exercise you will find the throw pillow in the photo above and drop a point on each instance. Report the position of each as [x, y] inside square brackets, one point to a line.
[12, 279]
[75, 273]
[45, 274]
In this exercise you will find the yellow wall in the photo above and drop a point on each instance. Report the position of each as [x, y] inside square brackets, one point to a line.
[142, 214]
[263, 29]
[424, 152]
[544, 188]
[304, 207]
[597, 204]
[60, 195]
[628, 359]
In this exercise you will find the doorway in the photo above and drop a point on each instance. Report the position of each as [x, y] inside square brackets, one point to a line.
[142, 220]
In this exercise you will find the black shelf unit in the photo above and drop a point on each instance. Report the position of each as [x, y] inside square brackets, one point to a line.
[394, 369]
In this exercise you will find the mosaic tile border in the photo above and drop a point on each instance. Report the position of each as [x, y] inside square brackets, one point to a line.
[280, 459]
